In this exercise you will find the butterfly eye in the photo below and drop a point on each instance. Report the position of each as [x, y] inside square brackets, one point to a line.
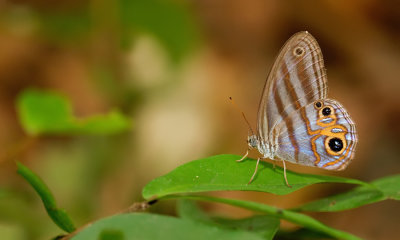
[318, 104]
[252, 141]
[326, 111]
[298, 51]
[335, 144]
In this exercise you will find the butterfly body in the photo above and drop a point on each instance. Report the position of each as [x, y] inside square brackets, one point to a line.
[296, 122]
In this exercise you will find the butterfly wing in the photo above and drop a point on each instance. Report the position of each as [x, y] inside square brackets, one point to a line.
[324, 132]
[297, 78]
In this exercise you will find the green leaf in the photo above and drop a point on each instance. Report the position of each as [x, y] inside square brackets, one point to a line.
[264, 225]
[111, 235]
[59, 216]
[355, 198]
[112, 122]
[390, 186]
[223, 173]
[378, 190]
[45, 112]
[166, 20]
[294, 217]
[188, 209]
[150, 226]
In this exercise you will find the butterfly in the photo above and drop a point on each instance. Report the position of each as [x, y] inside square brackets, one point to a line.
[296, 121]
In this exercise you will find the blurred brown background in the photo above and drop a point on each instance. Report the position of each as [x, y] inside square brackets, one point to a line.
[171, 66]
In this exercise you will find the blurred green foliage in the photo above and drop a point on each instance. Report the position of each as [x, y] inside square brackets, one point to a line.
[167, 21]
[79, 166]
[65, 26]
[44, 112]
[59, 216]
[11, 232]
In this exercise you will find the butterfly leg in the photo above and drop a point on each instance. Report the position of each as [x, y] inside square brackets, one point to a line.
[255, 171]
[284, 173]
[247, 153]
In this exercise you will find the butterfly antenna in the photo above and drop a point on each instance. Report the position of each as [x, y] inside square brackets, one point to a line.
[244, 116]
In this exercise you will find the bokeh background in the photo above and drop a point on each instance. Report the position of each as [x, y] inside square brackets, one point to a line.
[170, 65]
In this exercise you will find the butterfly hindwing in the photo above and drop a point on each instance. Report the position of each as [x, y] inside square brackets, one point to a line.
[323, 135]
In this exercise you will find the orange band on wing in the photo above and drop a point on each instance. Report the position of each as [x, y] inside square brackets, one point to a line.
[314, 149]
[309, 130]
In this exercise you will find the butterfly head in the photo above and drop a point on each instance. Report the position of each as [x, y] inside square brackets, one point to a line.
[252, 140]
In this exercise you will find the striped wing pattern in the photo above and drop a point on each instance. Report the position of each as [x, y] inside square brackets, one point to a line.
[316, 133]
[297, 78]
[293, 120]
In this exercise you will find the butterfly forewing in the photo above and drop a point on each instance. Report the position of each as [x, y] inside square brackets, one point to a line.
[297, 78]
